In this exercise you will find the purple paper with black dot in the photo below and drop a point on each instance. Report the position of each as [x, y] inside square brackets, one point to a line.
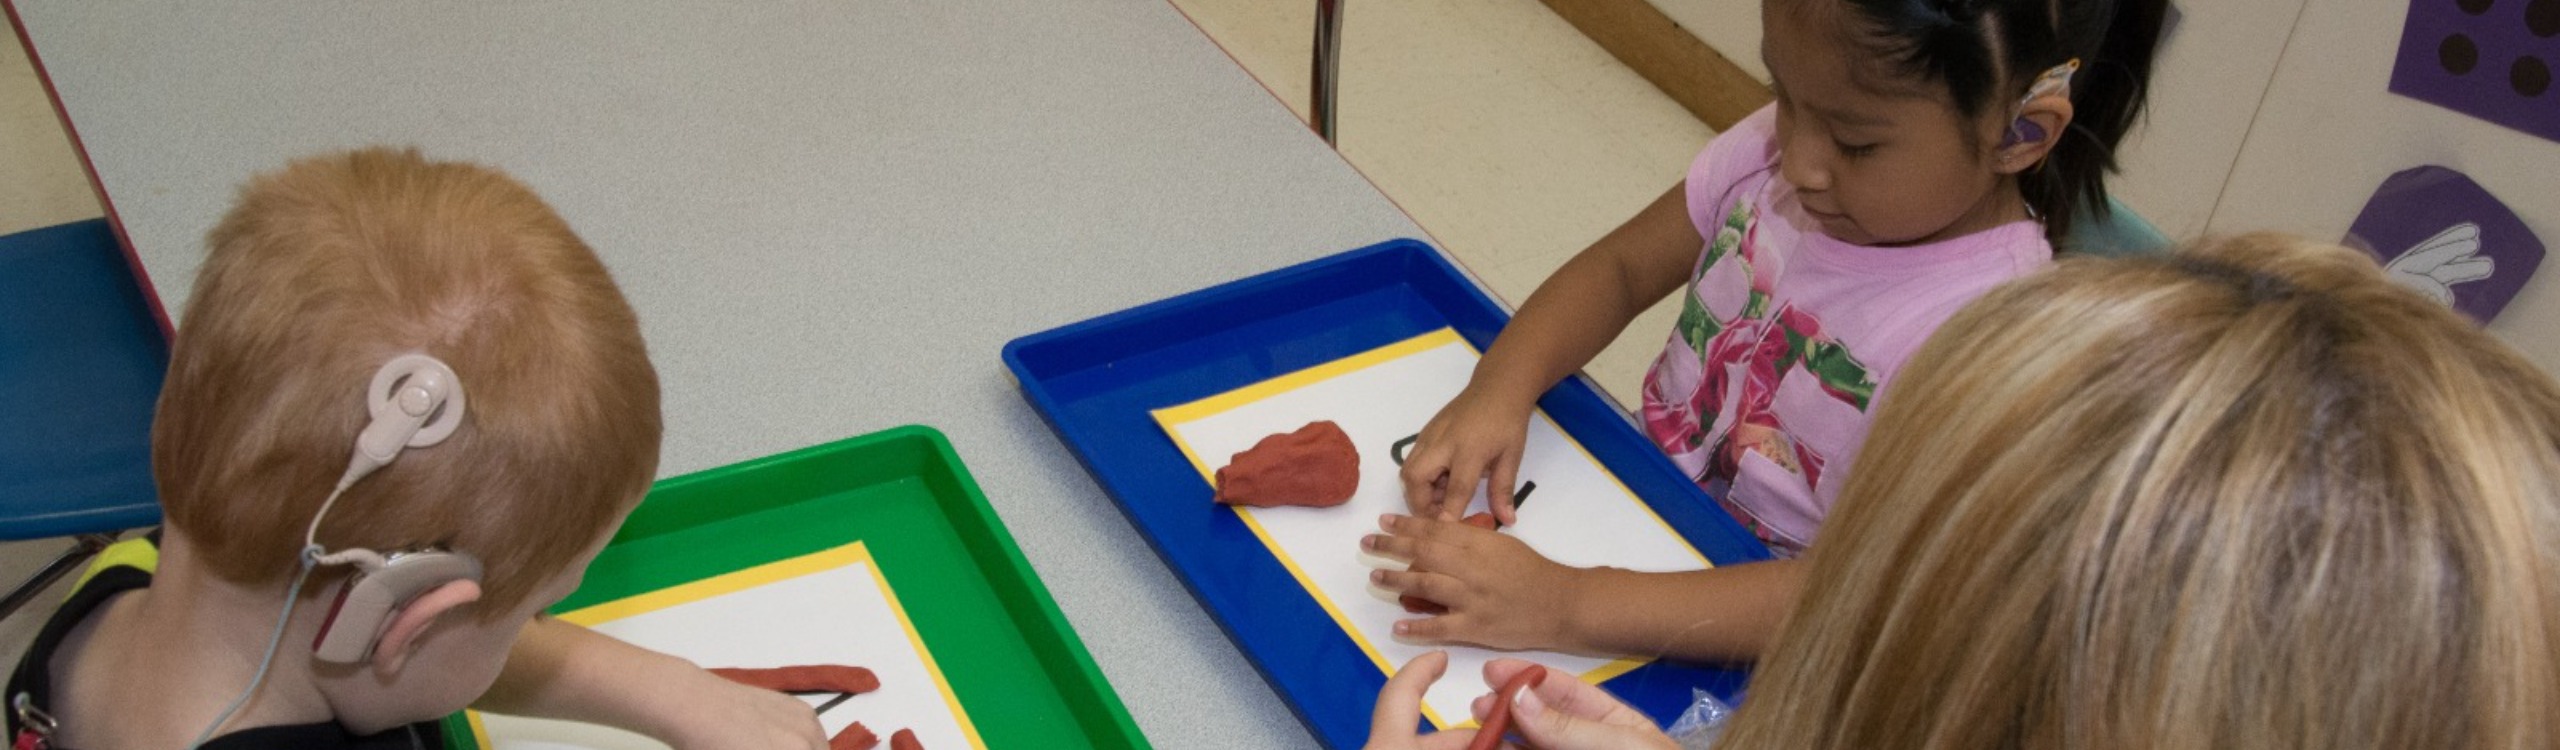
[2492, 59]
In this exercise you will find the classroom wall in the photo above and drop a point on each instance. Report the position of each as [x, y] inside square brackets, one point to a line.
[41, 182]
[2329, 131]
[2214, 65]
[1730, 26]
[2276, 114]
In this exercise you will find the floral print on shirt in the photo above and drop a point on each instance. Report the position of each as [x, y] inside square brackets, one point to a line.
[1708, 398]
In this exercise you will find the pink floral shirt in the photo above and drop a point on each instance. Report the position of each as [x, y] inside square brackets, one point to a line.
[1787, 336]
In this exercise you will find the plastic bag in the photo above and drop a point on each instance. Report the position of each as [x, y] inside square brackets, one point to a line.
[1702, 723]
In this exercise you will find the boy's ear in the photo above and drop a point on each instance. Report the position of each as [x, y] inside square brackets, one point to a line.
[2028, 139]
[410, 622]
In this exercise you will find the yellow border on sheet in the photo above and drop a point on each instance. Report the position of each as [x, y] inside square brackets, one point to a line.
[741, 580]
[967, 727]
[1167, 417]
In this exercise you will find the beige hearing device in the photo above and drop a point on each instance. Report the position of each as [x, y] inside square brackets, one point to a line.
[415, 401]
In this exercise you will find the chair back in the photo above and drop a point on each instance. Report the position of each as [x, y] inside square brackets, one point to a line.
[82, 355]
[2122, 233]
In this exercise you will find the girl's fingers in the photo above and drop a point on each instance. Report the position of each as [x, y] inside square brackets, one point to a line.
[1422, 471]
[1414, 541]
[1458, 477]
[1506, 476]
[1437, 587]
[1402, 548]
[1438, 629]
[1423, 543]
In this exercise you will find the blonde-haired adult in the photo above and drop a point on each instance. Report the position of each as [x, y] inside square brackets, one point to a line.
[2248, 496]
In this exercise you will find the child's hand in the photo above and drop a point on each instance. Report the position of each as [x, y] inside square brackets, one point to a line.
[1474, 438]
[1498, 592]
[563, 671]
[721, 714]
[1561, 713]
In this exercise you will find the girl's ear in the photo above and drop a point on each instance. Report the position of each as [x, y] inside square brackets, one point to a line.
[2037, 129]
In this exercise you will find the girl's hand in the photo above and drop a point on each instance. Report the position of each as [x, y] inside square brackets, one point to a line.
[1562, 713]
[1476, 437]
[1498, 592]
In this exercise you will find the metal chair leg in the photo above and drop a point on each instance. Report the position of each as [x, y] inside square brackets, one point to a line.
[83, 547]
[1328, 55]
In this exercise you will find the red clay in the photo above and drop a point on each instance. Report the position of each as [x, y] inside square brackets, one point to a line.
[817, 677]
[1499, 720]
[854, 737]
[1316, 467]
[905, 739]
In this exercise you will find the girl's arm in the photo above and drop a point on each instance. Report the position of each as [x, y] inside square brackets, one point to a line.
[1501, 594]
[1565, 323]
[1589, 301]
[1719, 614]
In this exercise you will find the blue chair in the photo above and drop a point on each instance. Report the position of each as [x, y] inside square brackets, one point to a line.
[81, 360]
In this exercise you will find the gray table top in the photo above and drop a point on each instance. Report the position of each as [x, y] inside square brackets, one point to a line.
[830, 215]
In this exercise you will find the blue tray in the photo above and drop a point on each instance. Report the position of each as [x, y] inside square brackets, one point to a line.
[1096, 380]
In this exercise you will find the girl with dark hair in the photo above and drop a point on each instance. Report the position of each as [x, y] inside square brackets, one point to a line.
[1918, 154]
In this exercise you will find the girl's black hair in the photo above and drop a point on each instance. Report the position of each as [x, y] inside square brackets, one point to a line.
[1988, 52]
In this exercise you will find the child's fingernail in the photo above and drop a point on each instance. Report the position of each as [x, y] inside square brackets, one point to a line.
[1387, 521]
[1369, 542]
[1403, 628]
[1378, 577]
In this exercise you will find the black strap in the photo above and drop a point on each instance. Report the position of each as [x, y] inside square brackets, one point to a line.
[34, 675]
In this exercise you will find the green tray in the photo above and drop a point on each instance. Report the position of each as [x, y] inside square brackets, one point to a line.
[1000, 640]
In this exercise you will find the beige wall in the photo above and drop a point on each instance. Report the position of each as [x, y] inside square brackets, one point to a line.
[2330, 131]
[2276, 114]
[1730, 26]
[41, 183]
[2212, 69]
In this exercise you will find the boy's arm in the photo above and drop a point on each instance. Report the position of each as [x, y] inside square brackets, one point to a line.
[563, 671]
[1572, 316]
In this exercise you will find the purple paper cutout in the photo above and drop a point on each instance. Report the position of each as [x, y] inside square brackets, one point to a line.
[2490, 59]
[2437, 231]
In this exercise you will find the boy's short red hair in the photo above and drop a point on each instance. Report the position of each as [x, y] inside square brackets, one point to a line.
[324, 271]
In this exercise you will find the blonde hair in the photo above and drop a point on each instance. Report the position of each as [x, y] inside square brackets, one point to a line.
[324, 271]
[2249, 496]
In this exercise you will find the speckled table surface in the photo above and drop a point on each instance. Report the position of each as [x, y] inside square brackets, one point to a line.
[830, 215]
